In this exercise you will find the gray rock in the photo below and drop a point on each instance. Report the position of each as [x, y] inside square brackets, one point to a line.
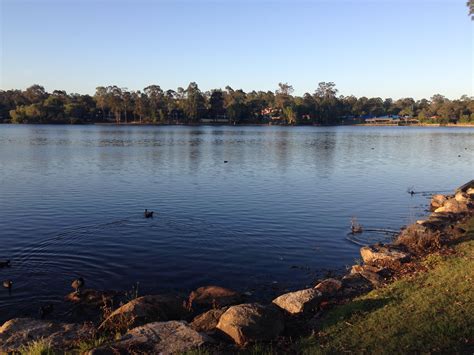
[453, 206]
[251, 322]
[329, 287]
[466, 186]
[382, 255]
[173, 337]
[299, 301]
[462, 197]
[18, 332]
[437, 201]
[207, 297]
[375, 279]
[207, 322]
[144, 310]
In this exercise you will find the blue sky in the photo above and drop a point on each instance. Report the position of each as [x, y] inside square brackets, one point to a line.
[386, 48]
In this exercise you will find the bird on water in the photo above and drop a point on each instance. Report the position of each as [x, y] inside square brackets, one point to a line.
[148, 214]
[45, 310]
[4, 263]
[355, 227]
[77, 284]
[8, 284]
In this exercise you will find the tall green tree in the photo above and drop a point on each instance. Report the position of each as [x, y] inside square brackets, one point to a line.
[195, 104]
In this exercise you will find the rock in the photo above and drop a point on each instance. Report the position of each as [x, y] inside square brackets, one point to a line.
[466, 186]
[213, 297]
[354, 285]
[91, 297]
[144, 310]
[299, 301]
[173, 337]
[452, 206]
[375, 279]
[357, 269]
[207, 322]
[373, 274]
[18, 332]
[470, 192]
[380, 255]
[462, 197]
[437, 201]
[329, 287]
[251, 322]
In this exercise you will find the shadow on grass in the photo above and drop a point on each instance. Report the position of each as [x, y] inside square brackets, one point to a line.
[356, 307]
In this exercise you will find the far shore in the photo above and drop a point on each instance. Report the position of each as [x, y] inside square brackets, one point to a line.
[464, 125]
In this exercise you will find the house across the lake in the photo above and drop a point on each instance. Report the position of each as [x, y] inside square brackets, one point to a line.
[392, 120]
[219, 119]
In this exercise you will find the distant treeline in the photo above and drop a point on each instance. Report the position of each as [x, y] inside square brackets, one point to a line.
[191, 105]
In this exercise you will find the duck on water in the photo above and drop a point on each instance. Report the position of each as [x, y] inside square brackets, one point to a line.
[77, 284]
[8, 284]
[148, 214]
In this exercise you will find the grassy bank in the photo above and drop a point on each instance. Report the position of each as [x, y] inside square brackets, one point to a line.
[430, 311]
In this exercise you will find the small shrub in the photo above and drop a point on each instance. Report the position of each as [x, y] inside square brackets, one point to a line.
[37, 347]
[420, 243]
[89, 344]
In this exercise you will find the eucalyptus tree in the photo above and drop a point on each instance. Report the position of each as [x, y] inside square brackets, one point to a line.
[326, 102]
[195, 104]
[156, 99]
[140, 104]
[216, 104]
[115, 102]
[235, 104]
[35, 93]
[284, 100]
[127, 102]
[100, 98]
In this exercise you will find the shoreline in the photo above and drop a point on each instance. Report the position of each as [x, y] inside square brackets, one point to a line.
[220, 313]
[460, 125]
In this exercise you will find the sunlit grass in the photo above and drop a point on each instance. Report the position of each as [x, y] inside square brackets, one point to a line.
[430, 312]
[37, 347]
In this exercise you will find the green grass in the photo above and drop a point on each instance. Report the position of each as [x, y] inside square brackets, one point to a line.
[429, 312]
[37, 347]
[85, 345]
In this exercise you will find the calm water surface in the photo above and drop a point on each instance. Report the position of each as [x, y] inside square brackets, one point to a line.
[278, 213]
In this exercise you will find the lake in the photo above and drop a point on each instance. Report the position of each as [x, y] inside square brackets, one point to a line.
[276, 216]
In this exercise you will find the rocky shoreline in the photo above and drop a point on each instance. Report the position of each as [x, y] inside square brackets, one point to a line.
[221, 320]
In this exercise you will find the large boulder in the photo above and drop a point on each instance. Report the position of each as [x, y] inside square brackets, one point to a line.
[145, 309]
[173, 337]
[375, 279]
[207, 297]
[453, 206]
[470, 192]
[18, 332]
[299, 301]
[329, 287]
[355, 284]
[466, 186]
[207, 322]
[383, 255]
[438, 201]
[462, 197]
[251, 322]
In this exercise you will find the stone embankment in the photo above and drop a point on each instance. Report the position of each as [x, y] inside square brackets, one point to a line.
[219, 318]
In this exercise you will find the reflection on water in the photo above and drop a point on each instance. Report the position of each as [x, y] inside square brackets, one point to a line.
[72, 198]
